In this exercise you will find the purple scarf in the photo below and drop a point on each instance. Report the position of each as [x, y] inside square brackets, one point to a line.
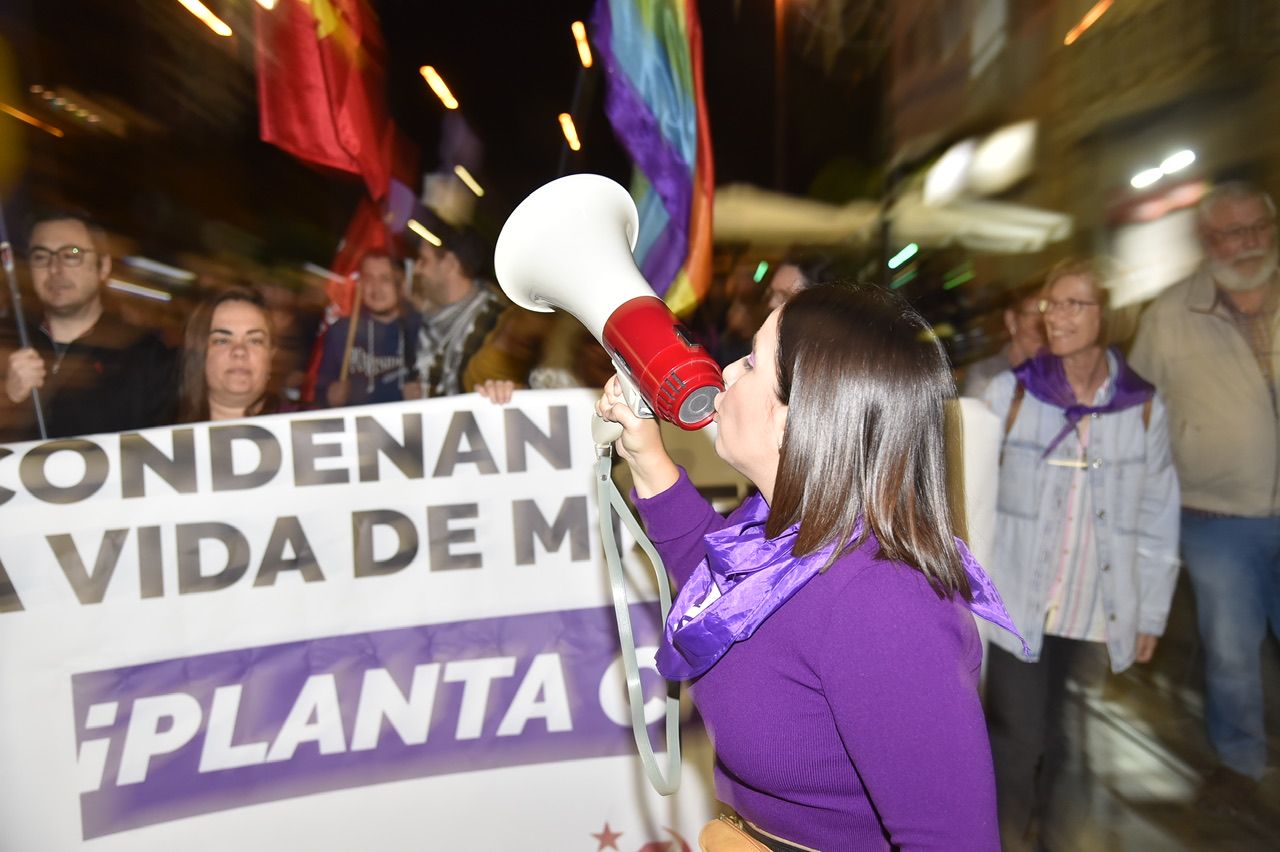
[1046, 380]
[754, 576]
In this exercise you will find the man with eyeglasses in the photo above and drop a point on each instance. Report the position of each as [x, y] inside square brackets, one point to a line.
[94, 373]
[1209, 344]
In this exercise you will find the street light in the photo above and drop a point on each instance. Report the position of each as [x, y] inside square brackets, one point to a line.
[206, 17]
[584, 49]
[1145, 178]
[570, 131]
[1090, 18]
[1175, 162]
[436, 82]
[1178, 161]
[465, 176]
[419, 229]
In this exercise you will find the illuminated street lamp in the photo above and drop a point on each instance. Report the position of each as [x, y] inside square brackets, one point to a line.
[1145, 178]
[436, 82]
[584, 49]
[465, 176]
[1175, 162]
[1090, 18]
[419, 229]
[206, 17]
[570, 131]
[1178, 161]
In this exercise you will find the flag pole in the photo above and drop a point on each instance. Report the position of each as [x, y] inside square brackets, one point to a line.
[15, 299]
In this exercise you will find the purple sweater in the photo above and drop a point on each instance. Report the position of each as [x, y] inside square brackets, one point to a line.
[850, 720]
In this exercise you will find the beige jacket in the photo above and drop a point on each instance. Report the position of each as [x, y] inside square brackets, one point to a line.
[1223, 422]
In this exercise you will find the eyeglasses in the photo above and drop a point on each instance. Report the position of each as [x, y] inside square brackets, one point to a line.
[1071, 308]
[1258, 229]
[39, 258]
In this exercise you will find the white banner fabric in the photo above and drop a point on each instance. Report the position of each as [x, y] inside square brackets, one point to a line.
[381, 628]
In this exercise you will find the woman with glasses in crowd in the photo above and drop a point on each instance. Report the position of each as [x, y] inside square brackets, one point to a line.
[825, 626]
[226, 363]
[1086, 541]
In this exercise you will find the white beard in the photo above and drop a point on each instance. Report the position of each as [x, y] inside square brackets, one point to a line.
[1230, 279]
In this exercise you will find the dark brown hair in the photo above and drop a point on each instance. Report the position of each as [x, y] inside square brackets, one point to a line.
[865, 382]
[193, 393]
[465, 245]
[97, 233]
[379, 254]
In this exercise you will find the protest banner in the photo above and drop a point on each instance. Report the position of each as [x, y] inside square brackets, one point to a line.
[384, 627]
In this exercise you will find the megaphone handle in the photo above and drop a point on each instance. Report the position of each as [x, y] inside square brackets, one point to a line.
[605, 432]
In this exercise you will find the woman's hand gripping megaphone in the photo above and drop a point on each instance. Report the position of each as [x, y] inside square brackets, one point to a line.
[624, 418]
[608, 427]
[637, 438]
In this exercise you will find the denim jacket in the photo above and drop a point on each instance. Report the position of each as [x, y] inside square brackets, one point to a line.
[1134, 493]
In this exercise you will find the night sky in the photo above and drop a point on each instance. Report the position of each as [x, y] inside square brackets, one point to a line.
[192, 171]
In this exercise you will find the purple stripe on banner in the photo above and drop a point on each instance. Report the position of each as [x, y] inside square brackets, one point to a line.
[639, 133]
[188, 736]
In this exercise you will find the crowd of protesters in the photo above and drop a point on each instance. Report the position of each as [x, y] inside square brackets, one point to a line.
[1112, 473]
[97, 362]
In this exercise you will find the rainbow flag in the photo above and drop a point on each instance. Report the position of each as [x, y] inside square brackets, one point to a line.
[651, 51]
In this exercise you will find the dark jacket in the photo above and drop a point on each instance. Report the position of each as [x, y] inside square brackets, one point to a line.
[113, 379]
[384, 358]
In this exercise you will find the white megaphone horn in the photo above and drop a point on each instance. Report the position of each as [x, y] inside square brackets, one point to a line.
[568, 246]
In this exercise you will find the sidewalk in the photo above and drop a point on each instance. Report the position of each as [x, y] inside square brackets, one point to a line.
[1147, 751]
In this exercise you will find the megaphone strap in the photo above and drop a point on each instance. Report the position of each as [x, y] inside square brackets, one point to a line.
[611, 502]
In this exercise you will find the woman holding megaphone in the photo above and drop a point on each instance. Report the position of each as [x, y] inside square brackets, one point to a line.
[825, 626]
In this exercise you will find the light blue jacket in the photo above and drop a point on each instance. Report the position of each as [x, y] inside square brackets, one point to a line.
[1134, 493]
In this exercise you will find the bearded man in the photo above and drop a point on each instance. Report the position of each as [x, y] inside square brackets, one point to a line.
[1209, 345]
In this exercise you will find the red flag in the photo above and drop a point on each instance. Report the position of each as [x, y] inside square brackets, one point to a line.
[322, 86]
[367, 231]
[375, 225]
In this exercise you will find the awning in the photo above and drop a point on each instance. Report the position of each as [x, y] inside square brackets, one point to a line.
[749, 214]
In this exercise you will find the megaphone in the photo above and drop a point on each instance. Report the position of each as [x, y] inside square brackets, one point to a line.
[568, 246]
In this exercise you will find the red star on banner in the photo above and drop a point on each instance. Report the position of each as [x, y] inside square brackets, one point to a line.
[608, 839]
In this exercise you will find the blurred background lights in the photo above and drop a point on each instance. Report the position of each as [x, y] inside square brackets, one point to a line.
[1090, 18]
[1145, 178]
[436, 82]
[1175, 162]
[908, 252]
[207, 17]
[465, 176]
[1178, 161]
[950, 175]
[584, 49]
[570, 131]
[421, 230]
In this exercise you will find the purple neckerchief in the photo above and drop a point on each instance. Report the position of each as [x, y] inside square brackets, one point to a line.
[1046, 380]
[756, 575]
